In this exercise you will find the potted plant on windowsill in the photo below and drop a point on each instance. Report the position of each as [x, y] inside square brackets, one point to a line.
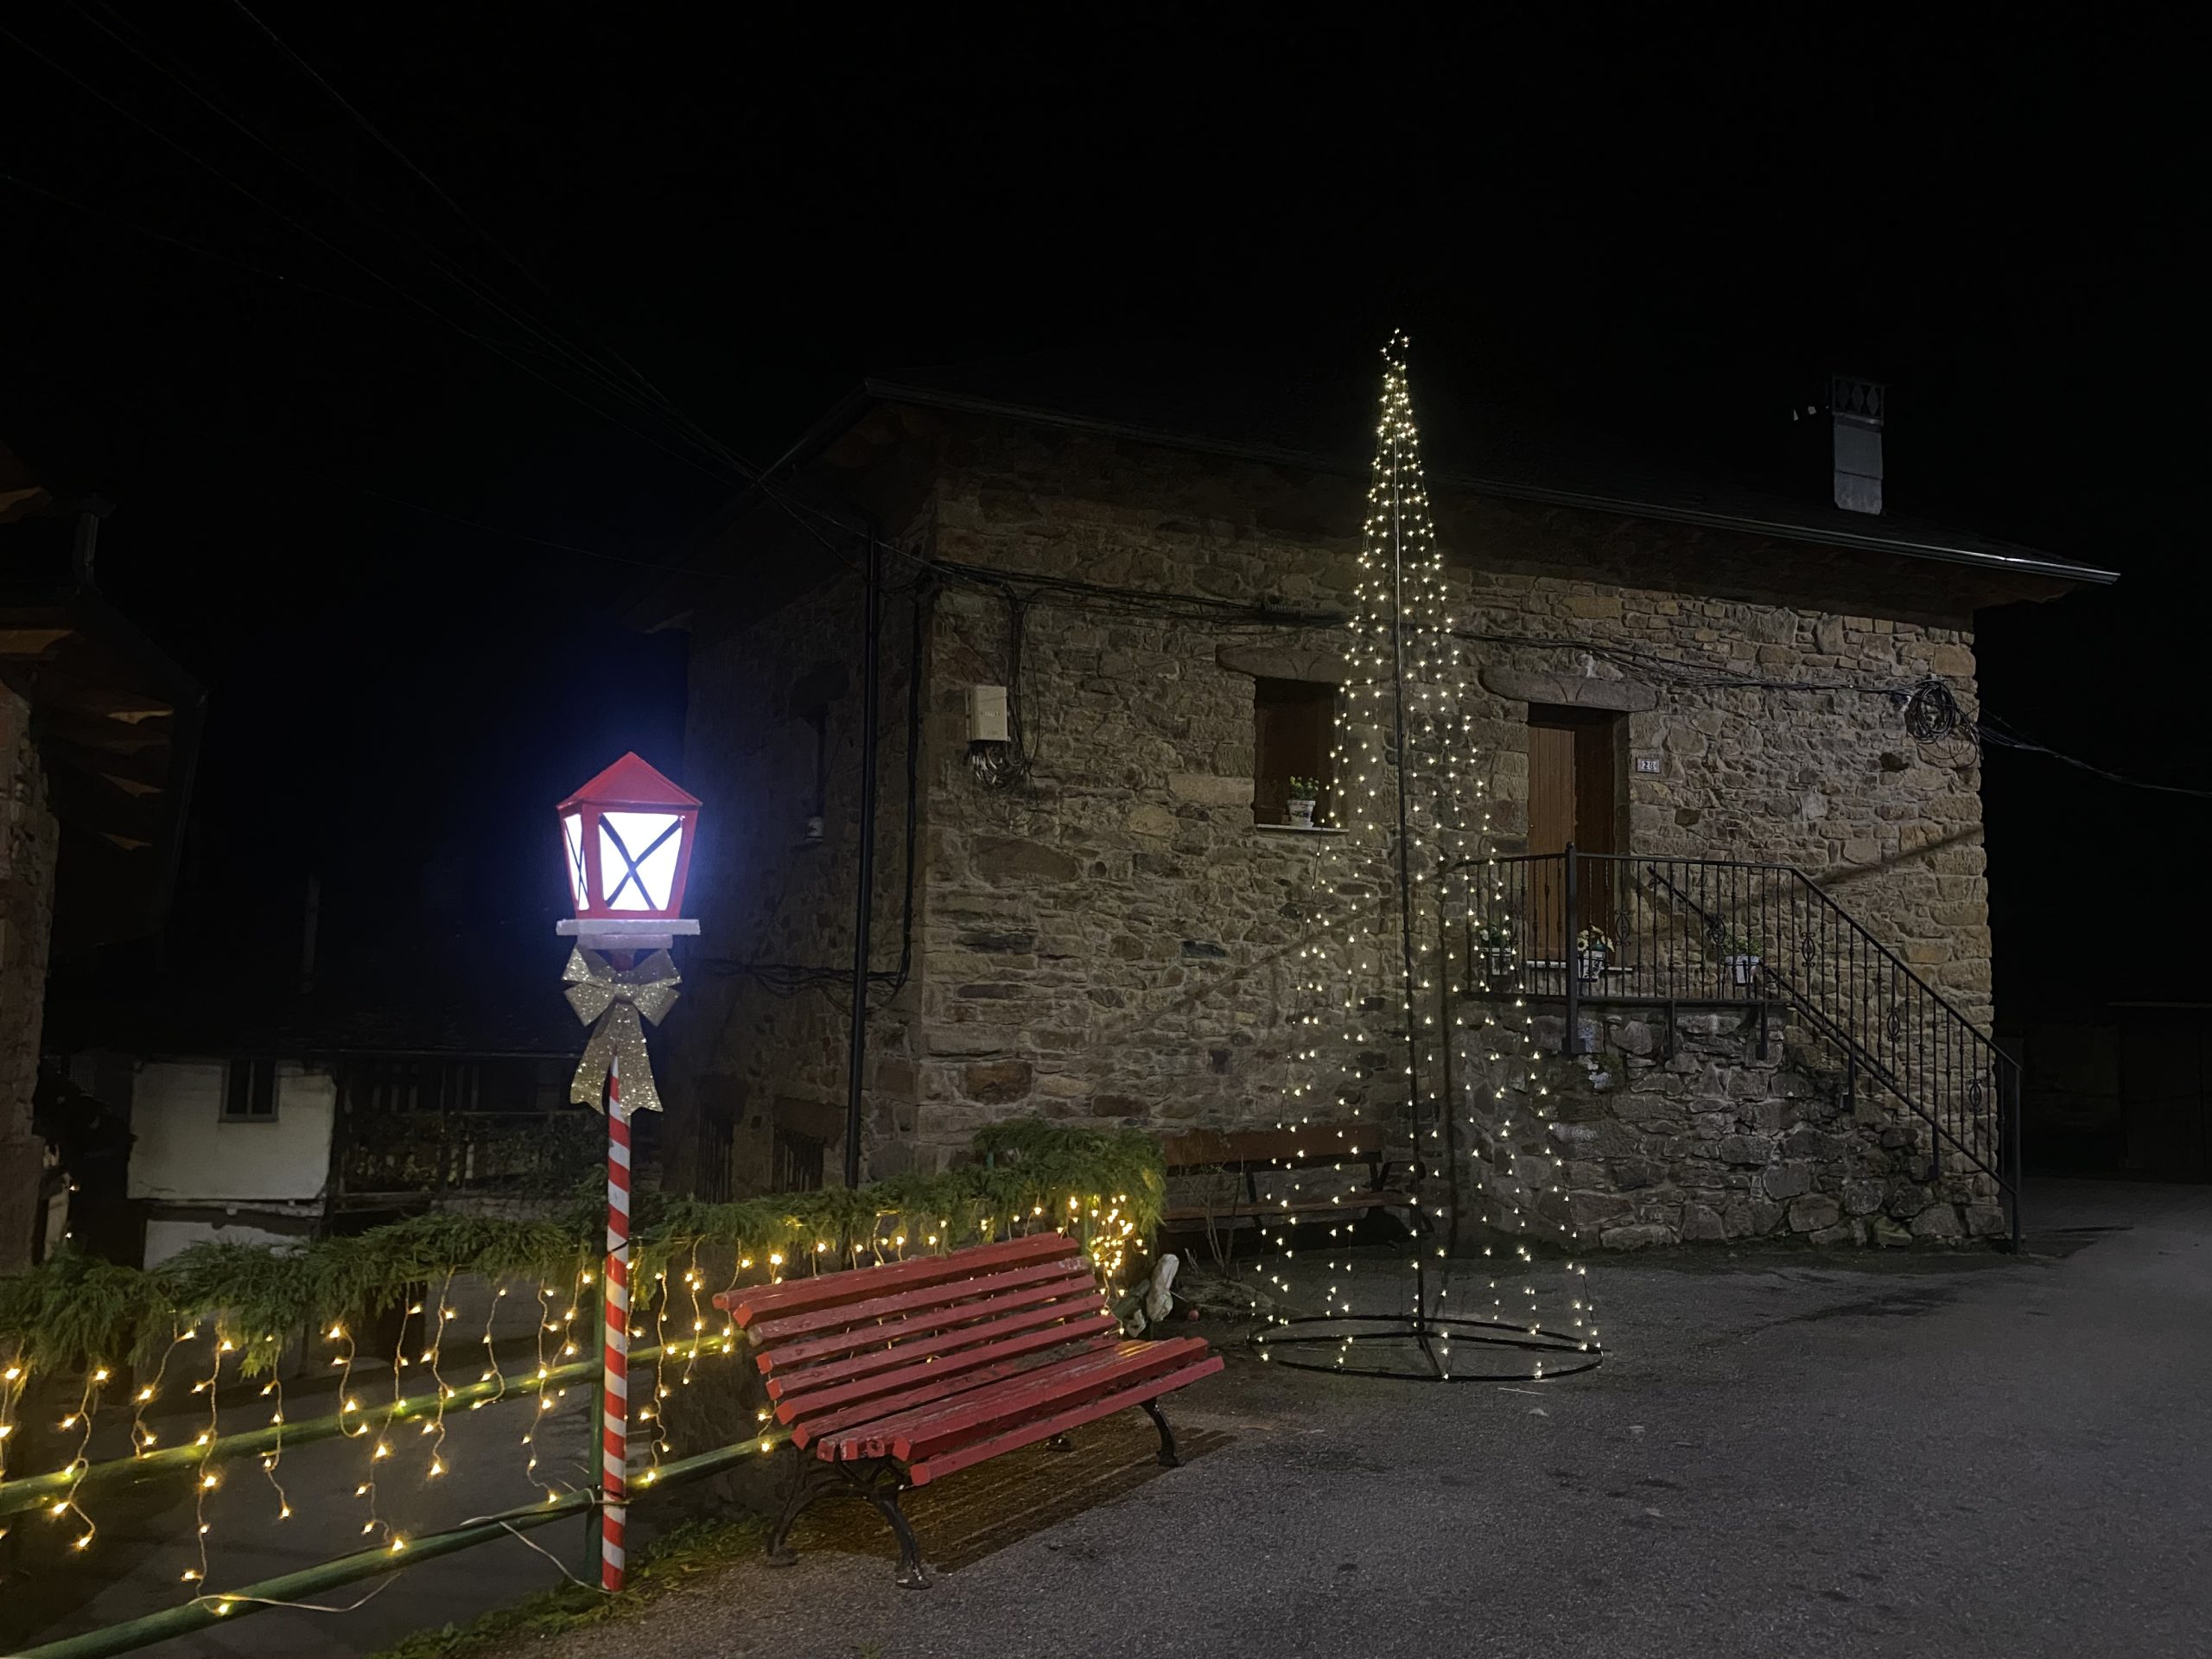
[1743, 953]
[1592, 949]
[1305, 796]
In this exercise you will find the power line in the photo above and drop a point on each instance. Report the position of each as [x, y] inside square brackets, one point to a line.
[122, 33]
[675, 413]
[1992, 731]
[375, 275]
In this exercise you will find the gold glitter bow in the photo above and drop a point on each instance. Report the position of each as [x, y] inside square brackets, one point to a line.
[615, 998]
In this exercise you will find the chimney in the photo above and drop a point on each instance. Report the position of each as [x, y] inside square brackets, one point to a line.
[1855, 409]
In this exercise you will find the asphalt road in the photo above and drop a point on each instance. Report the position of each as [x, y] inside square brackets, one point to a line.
[1837, 1455]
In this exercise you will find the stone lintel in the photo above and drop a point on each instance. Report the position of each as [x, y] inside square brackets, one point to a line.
[1575, 690]
[1320, 663]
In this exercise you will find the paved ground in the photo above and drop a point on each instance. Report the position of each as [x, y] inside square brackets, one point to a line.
[1839, 1455]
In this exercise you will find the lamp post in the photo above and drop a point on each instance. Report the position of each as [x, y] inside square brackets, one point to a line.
[626, 839]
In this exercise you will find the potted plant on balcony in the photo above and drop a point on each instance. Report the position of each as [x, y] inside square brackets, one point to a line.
[1743, 953]
[1304, 795]
[1492, 941]
[1592, 949]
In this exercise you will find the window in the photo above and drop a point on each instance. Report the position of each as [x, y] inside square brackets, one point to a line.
[1294, 728]
[250, 1093]
[810, 700]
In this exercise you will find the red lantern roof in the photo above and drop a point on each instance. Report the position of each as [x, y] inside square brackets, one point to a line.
[629, 782]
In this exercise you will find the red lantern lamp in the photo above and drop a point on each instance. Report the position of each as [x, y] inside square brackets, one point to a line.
[626, 842]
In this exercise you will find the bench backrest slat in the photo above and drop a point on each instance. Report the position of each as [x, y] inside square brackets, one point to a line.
[819, 1321]
[1313, 1143]
[800, 1399]
[846, 1347]
[864, 1348]
[751, 1302]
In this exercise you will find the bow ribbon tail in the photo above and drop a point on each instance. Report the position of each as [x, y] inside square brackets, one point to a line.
[617, 1036]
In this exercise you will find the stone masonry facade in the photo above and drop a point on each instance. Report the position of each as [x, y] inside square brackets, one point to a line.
[1632, 1145]
[1113, 939]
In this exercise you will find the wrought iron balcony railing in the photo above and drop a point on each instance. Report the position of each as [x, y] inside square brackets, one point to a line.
[1614, 929]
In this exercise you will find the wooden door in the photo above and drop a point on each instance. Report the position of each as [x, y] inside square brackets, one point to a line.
[1573, 798]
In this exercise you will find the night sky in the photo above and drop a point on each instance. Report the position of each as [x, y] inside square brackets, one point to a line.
[384, 470]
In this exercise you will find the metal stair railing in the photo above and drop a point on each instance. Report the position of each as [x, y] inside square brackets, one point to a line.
[1592, 928]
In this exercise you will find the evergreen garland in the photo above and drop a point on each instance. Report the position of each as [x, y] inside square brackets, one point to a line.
[73, 1311]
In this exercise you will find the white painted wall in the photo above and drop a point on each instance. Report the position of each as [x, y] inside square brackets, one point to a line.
[185, 1154]
[165, 1238]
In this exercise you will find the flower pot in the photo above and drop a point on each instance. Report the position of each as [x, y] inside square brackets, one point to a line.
[1501, 960]
[1592, 965]
[1742, 968]
[1301, 815]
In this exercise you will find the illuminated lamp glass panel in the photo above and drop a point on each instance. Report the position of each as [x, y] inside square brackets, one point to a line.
[637, 858]
[572, 836]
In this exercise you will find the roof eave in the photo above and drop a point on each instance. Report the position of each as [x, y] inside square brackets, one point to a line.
[848, 408]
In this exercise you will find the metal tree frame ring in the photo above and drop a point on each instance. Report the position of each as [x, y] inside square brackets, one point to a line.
[1345, 1332]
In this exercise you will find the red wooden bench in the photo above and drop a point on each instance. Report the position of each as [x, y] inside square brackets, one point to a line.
[892, 1376]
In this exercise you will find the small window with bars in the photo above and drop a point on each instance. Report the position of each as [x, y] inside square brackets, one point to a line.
[798, 1161]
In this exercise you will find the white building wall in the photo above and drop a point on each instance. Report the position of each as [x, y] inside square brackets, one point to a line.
[186, 1154]
[166, 1237]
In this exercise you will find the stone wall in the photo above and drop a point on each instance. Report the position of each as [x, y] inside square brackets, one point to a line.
[28, 837]
[762, 1038]
[1114, 939]
[1630, 1145]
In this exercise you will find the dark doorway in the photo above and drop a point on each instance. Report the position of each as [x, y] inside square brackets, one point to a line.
[1575, 798]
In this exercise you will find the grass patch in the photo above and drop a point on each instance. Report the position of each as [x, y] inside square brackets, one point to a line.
[676, 1557]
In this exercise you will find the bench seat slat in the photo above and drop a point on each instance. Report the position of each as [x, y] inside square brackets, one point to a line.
[753, 1302]
[828, 1425]
[958, 1458]
[906, 1435]
[868, 1340]
[945, 1348]
[822, 1320]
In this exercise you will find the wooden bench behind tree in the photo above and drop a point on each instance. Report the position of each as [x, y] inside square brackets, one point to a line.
[890, 1377]
[1240, 1157]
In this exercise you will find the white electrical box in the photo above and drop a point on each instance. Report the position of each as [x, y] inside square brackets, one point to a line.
[987, 714]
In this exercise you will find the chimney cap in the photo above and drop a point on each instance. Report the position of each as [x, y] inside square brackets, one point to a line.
[1853, 397]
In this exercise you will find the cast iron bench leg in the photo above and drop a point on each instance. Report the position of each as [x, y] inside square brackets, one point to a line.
[810, 1479]
[879, 1481]
[1168, 1459]
[876, 1479]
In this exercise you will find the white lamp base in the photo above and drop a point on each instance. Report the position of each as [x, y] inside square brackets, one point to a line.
[624, 933]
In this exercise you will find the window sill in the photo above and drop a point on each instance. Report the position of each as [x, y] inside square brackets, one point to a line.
[1297, 830]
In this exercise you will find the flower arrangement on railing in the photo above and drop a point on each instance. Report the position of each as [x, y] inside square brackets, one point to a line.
[1494, 945]
[1593, 948]
[1743, 953]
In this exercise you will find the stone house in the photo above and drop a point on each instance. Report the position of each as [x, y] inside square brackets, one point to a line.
[1095, 918]
[98, 730]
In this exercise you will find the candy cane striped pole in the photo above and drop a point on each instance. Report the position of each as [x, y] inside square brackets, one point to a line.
[615, 1388]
